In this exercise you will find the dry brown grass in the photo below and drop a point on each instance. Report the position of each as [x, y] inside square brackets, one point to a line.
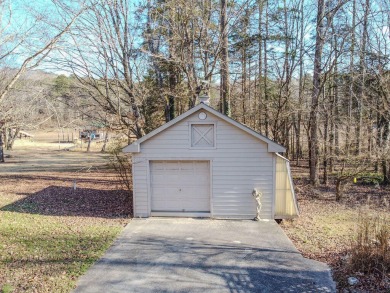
[329, 231]
[370, 251]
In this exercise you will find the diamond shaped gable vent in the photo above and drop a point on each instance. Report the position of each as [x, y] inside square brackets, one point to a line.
[202, 135]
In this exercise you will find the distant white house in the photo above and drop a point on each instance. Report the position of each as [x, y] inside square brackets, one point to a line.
[205, 164]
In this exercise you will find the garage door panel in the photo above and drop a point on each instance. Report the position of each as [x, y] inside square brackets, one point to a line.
[180, 186]
[188, 199]
[180, 206]
[202, 167]
[164, 180]
[184, 179]
[187, 206]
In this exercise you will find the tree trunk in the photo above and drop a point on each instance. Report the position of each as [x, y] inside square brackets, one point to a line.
[6, 135]
[333, 93]
[11, 138]
[1, 147]
[172, 78]
[286, 92]
[386, 160]
[105, 142]
[378, 135]
[243, 86]
[313, 143]
[89, 144]
[336, 119]
[266, 114]
[386, 171]
[260, 65]
[339, 189]
[301, 85]
[362, 69]
[225, 86]
[352, 79]
[325, 152]
[172, 88]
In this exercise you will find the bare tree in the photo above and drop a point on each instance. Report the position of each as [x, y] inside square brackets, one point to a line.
[325, 16]
[18, 43]
[104, 57]
[32, 59]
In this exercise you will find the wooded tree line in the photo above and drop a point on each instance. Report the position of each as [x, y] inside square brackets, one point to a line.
[40, 99]
[314, 77]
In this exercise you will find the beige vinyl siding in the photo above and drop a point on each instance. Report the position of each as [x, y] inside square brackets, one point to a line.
[285, 202]
[140, 187]
[239, 163]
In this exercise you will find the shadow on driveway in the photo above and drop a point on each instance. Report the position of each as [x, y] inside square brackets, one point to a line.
[194, 255]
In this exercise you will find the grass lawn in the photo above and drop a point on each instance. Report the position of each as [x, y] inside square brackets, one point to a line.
[47, 254]
[50, 234]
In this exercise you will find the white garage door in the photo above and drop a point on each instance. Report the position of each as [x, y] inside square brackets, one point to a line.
[180, 186]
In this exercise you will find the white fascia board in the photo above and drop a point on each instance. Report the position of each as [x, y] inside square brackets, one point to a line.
[132, 148]
[275, 148]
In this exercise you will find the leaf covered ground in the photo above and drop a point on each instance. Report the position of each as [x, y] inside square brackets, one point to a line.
[326, 229]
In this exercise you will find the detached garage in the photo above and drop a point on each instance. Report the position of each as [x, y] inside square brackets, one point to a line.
[204, 164]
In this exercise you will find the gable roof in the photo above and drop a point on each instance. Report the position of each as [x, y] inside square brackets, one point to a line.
[135, 146]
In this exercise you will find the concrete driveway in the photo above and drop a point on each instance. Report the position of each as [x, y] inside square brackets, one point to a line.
[199, 255]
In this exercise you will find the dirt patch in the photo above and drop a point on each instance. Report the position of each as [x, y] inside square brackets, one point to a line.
[33, 161]
[44, 153]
